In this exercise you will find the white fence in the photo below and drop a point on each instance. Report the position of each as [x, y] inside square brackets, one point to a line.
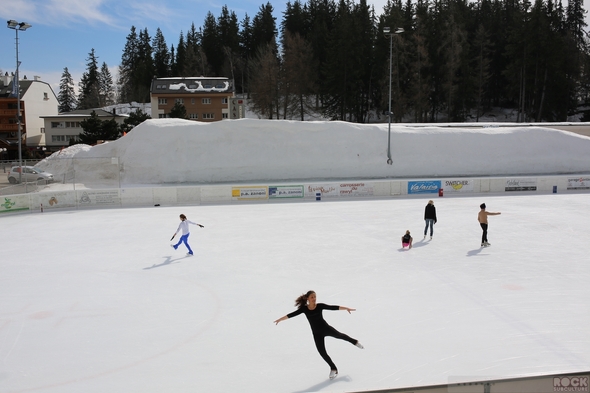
[49, 199]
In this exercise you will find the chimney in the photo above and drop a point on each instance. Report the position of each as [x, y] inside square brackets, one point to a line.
[37, 77]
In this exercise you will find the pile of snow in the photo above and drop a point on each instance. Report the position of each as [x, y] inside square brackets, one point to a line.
[182, 151]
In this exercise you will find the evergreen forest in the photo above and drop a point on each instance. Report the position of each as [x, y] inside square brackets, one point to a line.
[439, 60]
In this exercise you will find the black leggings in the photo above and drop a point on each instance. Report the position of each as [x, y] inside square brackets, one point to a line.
[484, 236]
[319, 336]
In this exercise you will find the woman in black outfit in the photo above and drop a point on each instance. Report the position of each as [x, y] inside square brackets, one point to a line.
[307, 305]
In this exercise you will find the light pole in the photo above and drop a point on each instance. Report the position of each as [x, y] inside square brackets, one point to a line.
[16, 26]
[387, 32]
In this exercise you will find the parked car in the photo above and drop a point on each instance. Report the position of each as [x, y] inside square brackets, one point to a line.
[29, 174]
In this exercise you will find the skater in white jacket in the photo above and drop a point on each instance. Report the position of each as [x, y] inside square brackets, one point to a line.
[183, 226]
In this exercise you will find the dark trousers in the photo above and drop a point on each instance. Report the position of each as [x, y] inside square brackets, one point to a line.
[321, 345]
[484, 235]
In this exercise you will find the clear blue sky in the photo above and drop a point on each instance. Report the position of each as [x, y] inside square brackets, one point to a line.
[64, 31]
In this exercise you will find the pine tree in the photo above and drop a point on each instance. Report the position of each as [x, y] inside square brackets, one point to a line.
[129, 61]
[211, 44]
[105, 86]
[67, 96]
[89, 96]
[178, 111]
[161, 55]
[95, 129]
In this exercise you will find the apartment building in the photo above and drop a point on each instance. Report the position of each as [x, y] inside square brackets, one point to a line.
[61, 128]
[37, 99]
[204, 98]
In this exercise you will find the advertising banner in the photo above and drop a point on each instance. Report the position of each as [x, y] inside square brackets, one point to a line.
[54, 200]
[249, 193]
[92, 198]
[275, 192]
[529, 184]
[579, 183]
[424, 186]
[13, 203]
[327, 190]
[462, 185]
[356, 189]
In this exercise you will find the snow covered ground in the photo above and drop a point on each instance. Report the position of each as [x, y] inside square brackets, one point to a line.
[174, 151]
[97, 301]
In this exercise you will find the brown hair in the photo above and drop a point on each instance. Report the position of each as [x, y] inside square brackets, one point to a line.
[182, 216]
[302, 300]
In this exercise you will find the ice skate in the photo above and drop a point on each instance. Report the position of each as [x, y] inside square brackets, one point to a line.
[333, 374]
[358, 344]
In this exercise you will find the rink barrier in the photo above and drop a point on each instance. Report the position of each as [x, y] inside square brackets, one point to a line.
[566, 382]
[275, 192]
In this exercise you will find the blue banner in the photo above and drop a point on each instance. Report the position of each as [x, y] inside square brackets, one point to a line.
[424, 187]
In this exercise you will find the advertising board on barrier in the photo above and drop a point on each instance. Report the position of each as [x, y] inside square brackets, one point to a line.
[463, 185]
[54, 200]
[327, 190]
[14, 203]
[276, 192]
[424, 186]
[98, 198]
[529, 184]
[249, 193]
[356, 189]
[579, 183]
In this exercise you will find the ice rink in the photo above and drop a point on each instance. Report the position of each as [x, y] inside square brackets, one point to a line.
[97, 301]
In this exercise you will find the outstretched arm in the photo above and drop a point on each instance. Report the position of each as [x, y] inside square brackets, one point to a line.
[347, 309]
[281, 319]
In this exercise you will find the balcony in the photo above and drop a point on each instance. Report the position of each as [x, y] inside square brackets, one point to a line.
[8, 112]
[9, 127]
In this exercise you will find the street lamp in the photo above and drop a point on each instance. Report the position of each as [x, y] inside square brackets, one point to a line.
[387, 32]
[16, 26]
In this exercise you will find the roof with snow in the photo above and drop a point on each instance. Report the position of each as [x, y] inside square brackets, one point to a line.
[192, 85]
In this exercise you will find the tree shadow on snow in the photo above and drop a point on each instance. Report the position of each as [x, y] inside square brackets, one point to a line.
[324, 384]
[168, 261]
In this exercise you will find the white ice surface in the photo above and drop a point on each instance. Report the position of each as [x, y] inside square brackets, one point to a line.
[97, 301]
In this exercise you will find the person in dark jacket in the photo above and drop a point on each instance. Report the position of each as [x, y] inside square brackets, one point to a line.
[429, 218]
[306, 304]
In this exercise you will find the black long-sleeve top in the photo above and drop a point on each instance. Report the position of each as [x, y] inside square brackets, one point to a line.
[430, 212]
[315, 318]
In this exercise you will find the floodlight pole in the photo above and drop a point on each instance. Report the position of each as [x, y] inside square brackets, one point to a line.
[387, 32]
[16, 26]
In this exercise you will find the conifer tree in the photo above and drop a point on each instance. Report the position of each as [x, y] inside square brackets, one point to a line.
[129, 60]
[105, 86]
[67, 96]
[89, 85]
[161, 55]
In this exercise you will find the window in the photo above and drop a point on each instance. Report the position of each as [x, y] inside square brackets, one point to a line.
[192, 101]
[208, 115]
[42, 130]
[162, 115]
[72, 124]
[60, 138]
[55, 124]
[224, 100]
[206, 100]
[162, 101]
[179, 100]
[219, 86]
[192, 86]
[193, 116]
[225, 115]
[45, 96]
[207, 86]
[161, 87]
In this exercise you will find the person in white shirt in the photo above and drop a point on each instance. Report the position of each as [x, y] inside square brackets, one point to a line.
[184, 222]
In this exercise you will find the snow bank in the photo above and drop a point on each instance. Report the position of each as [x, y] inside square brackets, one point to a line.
[183, 151]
